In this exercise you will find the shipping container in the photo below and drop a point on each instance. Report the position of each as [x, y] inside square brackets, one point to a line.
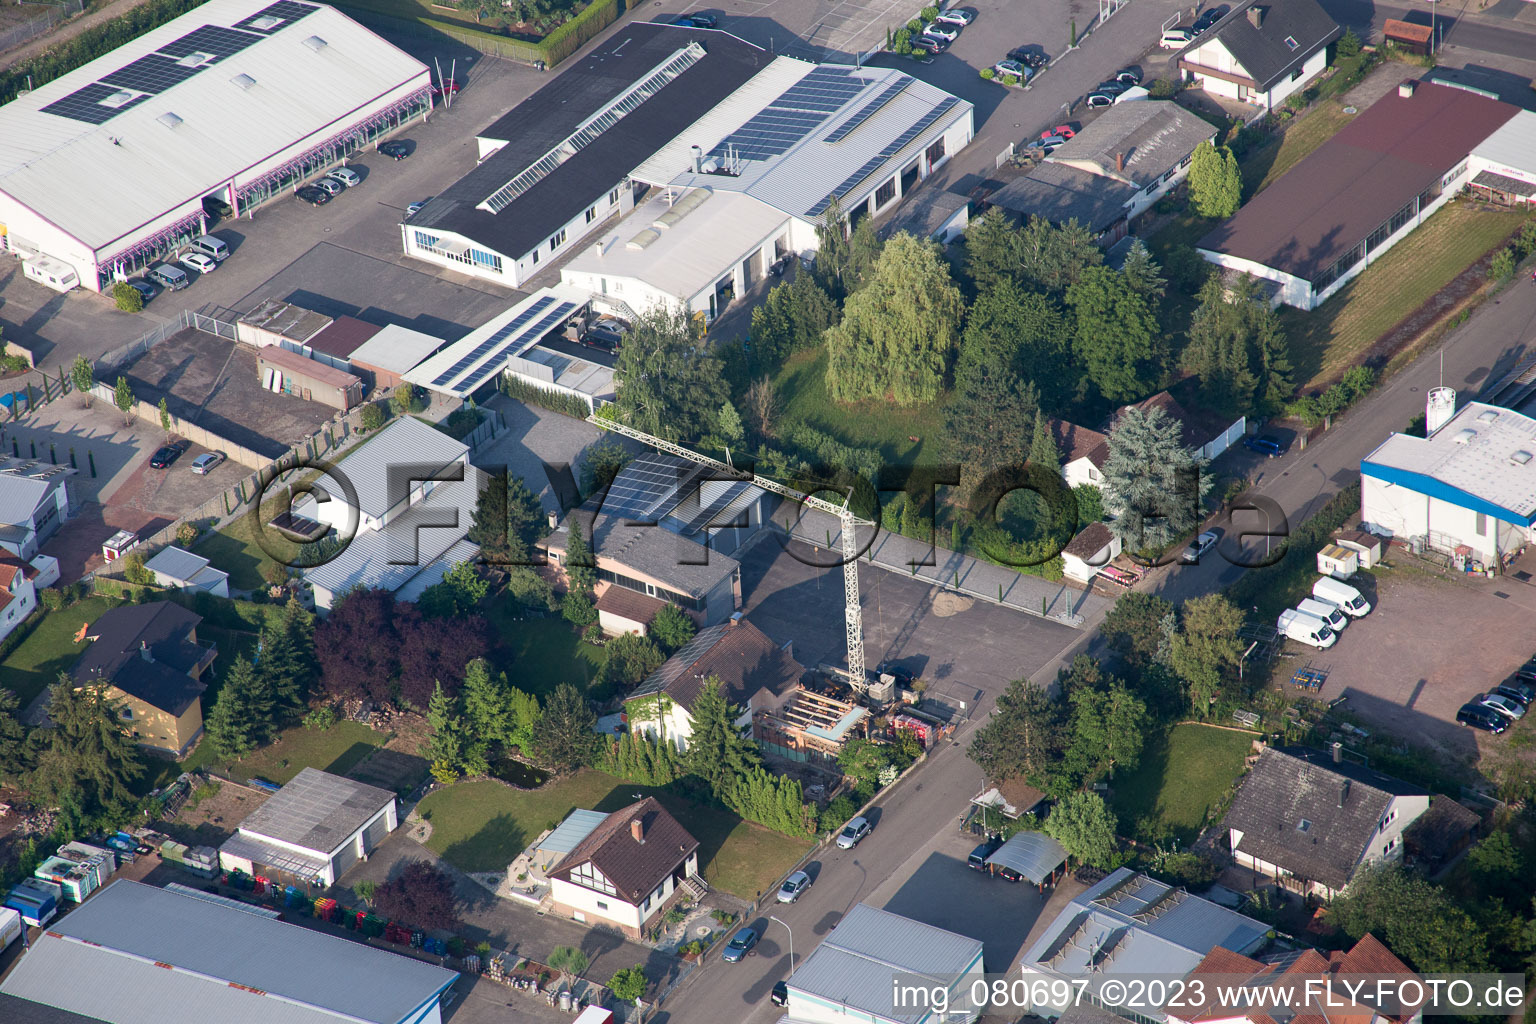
[36, 900]
[10, 926]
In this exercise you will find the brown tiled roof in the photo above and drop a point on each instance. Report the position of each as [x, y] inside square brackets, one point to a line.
[629, 604]
[1089, 542]
[634, 867]
[1075, 442]
[342, 337]
[1021, 796]
[11, 567]
[1353, 183]
[1367, 957]
[1441, 829]
[743, 657]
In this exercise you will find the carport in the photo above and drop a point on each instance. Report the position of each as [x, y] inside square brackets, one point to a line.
[1033, 856]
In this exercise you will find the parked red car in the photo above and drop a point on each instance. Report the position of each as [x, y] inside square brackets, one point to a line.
[1066, 131]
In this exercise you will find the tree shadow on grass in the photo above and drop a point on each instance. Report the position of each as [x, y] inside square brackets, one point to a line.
[496, 845]
[1135, 795]
[710, 824]
[347, 759]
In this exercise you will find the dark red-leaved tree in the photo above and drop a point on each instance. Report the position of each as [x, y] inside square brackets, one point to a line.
[358, 648]
[435, 650]
[421, 896]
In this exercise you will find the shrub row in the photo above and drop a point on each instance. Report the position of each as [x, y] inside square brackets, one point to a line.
[88, 45]
[555, 401]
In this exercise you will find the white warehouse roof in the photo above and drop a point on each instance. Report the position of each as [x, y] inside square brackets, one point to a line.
[475, 359]
[1513, 145]
[205, 98]
[1483, 459]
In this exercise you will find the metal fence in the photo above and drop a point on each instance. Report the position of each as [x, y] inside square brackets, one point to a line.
[125, 354]
[27, 31]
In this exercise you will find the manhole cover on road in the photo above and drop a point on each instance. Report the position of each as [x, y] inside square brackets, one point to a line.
[947, 604]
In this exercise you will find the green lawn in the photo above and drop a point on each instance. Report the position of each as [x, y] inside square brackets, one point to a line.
[36, 663]
[234, 549]
[482, 826]
[1183, 777]
[802, 388]
[1330, 339]
[1262, 166]
[539, 654]
[336, 750]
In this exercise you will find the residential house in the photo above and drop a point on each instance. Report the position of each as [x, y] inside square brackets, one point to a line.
[134, 953]
[1112, 171]
[755, 674]
[18, 592]
[1311, 820]
[1129, 924]
[849, 975]
[180, 568]
[1083, 453]
[34, 503]
[149, 658]
[625, 870]
[1094, 547]
[312, 830]
[1262, 52]
[400, 506]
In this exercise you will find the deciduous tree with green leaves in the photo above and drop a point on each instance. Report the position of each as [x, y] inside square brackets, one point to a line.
[122, 397]
[1207, 649]
[793, 317]
[1109, 727]
[988, 422]
[459, 594]
[81, 377]
[1418, 920]
[1149, 478]
[1215, 183]
[1085, 828]
[1053, 257]
[1117, 339]
[669, 383]
[1238, 349]
[1024, 738]
[672, 627]
[899, 332]
[1023, 332]
[1133, 627]
[628, 983]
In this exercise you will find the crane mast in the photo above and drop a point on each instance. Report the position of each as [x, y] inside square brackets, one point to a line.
[853, 616]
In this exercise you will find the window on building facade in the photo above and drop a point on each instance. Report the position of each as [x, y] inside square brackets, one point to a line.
[489, 260]
[613, 198]
[885, 193]
[601, 905]
[591, 214]
[557, 240]
[1458, 172]
[535, 257]
[1296, 75]
[1482, 524]
[936, 151]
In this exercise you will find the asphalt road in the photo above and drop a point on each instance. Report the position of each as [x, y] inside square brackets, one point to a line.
[1458, 23]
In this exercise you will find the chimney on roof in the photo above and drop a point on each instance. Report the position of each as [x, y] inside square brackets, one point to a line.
[1120, 162]
[698, 159]
[637, 829]
[1343, 792]
[1256, 17]
[1338, 752]
[1405, 88]
[144, 651]
[735, 619]
[597, 248]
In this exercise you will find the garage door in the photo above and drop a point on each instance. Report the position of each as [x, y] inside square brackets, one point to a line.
[344, 859]
[375, 833]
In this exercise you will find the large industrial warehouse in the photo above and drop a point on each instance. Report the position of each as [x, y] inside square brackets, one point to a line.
[733, 154]
[105, 170]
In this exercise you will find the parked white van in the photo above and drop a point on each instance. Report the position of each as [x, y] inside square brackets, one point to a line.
[61, 277]
[210, 247]
[1306, 629]
[1329, 613]
[1342, 594]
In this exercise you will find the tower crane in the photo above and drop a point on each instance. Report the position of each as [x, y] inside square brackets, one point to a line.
[853, 616]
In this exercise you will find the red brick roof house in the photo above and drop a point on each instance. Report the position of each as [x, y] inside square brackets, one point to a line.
[626, 869]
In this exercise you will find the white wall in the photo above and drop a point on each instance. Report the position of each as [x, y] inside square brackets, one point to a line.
[1402, 512]
[1084, 569]
[1387, 845]
[594, 906]
[23, 603]
[1081, 471]
[1288, 85]
[676, 724]
[1294, 291]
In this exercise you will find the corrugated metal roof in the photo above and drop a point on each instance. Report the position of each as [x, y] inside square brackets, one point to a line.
[853, 965]
[406, 444]
[1513, 145]
[396, 349]
[1479, 471]
[494, 342]
[177, 563]
[1034, 855]
[317, 811]
[21, 495]
[413, 543]
[136, 927]
[101, 183]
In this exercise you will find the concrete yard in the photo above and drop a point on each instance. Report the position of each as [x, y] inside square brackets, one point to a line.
[213, 383]
[1428, 646]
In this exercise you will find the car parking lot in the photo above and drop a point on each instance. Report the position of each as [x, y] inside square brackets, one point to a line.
[1409, 665]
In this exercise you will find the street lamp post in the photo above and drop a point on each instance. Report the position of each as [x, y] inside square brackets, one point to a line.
[791, 931]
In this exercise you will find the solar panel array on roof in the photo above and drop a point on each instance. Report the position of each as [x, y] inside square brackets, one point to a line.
[538, 330]
[793, 116]
[154, 72]
[891, 148]
[485, 346]
[639, 491]
[217, 40]
[276, 18]
[87, 103]
[867, 110]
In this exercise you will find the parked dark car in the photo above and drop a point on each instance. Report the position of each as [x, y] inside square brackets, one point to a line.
[1130, 76]
[977, 861]
[1112, 87]
[312, 195]
[1266, 444]
[395, 149]
[1480, 716]
[698, 21]
[607, 335]
[1521, 693]
[1527, 673]
[163, 457]
[1209, 17]
[780, 994]
[740, 945]
[146, 290]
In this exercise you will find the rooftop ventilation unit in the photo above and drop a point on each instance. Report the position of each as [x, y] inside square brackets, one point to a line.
[121, 98]
[243, 81]
[315, 43]
[1464, 436]
[196, 59]
[169, 119]
[1521, 458]
[1487, 416]
[265, 22]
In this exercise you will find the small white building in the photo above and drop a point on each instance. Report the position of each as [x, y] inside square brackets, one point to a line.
[1262, 52]
[851, 975]
[1310, 819]
[1503, 166]
[312, 830]
[179, 568]
[1467, 490]
[34, 503]
[400, 507]
[1092, 549]
[625, 870]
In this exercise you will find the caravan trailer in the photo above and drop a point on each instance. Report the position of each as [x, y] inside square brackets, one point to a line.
[61, 277]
